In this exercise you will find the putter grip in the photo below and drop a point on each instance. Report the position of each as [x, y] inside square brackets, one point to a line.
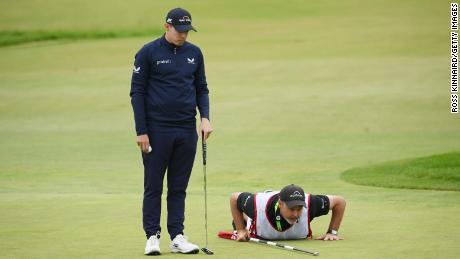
[203, 147]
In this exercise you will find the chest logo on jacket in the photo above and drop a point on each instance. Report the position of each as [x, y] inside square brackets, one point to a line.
[191, 61]
[164, 61]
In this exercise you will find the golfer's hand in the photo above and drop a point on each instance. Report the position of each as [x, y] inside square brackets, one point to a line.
[143, 142]
[329, 237]
[206, 128]
[242, 235]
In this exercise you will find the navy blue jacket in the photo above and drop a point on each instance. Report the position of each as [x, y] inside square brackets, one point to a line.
[167, 85]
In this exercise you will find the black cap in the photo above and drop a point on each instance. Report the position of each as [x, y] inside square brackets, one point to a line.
[293, 196]
[181, 19]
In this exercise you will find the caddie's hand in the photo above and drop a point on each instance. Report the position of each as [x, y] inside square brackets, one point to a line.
[206, 128]
[143, 142]
[242, 235]
[329, 237]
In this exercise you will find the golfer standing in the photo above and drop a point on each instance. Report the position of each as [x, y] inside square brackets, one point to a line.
[168, 84]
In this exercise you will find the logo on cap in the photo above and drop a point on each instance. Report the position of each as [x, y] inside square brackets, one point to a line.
[296, 194]
[185, 19]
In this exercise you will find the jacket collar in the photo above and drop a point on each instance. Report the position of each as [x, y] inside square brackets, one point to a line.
[168, 45]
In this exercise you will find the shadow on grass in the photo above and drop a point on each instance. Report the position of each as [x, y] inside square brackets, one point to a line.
[437, 172]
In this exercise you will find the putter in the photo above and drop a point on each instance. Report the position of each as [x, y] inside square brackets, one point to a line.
[203, 149]
[256, 240]
[232, 236]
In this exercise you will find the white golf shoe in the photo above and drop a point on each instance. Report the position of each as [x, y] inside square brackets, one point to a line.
[153, 246]
[180, 244]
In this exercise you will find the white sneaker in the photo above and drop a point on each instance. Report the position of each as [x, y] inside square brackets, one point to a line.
[153, 246]
[180, 244]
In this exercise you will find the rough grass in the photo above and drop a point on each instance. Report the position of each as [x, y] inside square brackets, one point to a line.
[8, 38]
[438, 172]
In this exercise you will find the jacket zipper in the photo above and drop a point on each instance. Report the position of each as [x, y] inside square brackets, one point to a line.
[175, 55]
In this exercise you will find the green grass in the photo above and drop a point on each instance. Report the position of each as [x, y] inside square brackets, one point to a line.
[8, 38]
[438, 172]
[300, 92]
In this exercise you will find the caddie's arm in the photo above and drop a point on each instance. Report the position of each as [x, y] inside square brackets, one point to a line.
[337, 204]
[238, 219]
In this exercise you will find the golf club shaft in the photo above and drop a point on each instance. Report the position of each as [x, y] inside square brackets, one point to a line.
[256, 240]
[203, 145]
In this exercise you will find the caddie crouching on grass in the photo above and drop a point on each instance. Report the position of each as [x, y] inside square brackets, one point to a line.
[284, 215]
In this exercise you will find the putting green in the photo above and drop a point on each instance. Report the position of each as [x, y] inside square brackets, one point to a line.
[438, 172]
[300, 92]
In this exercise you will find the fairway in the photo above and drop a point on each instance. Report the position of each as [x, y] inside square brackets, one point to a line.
[300, 92]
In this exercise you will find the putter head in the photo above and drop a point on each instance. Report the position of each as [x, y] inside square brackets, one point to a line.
[207, 251]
